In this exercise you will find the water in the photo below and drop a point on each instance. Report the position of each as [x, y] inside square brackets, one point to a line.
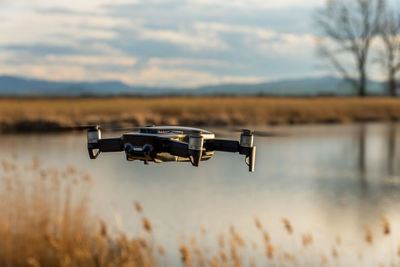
[327, 180]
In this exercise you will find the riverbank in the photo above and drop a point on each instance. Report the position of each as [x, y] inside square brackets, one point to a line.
[59, 114]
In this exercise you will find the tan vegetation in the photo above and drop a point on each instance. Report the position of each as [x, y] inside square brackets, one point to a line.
[24, 115]
[45, 220]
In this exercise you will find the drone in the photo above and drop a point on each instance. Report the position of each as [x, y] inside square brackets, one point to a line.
[169, 144]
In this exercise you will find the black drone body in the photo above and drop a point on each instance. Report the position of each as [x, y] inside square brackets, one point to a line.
[170, 143]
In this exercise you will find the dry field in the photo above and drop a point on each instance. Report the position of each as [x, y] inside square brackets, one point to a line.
[32, 115]
[45, 220]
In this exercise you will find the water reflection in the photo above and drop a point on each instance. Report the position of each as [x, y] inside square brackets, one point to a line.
[376, 148]
[361, 152]
[327, 179]
[391, 148]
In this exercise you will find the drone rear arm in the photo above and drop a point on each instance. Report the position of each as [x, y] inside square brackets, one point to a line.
[105, 145]
[192, 150]
[233, 146]
[176, 148]
[222, 145]
[111, 145]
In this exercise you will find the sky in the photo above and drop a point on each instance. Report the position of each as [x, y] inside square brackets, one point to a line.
[162, 43]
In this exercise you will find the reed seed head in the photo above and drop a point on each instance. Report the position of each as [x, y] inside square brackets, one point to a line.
[146, 224]
[258, 224]
[287, 225]
[161, 250]
[368, 235]
[335, 253]
[385, 225]
[185, 255]
[138, 206]
[338, 240]
[324, 259]
[270, 249]
[306, 239]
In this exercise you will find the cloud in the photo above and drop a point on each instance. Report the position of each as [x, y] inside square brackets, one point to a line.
[259, 32]
[242, 79]
[259, 4]
[210, 36]
[47, 72]
[157, 42]
[189, 38]
[156, 76]
[188, 62]
[151, 75]
[92, 60]
[92, 6]
[289, 45]
[30, 27]
[186, 78]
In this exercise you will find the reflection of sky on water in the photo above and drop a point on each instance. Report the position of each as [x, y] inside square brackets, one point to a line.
[327, 180]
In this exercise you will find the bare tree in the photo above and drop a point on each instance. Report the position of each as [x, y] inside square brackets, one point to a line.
[390, 56]
[348, 28]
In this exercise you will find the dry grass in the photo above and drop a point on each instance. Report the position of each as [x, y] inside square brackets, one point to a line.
[38, 114]
[45, 221]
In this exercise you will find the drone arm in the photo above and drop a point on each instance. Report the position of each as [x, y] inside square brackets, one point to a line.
[105, 145]
[227, 146]
[176, 148]
[179, 149]
[233, 146]
[192, 150]
[111, 145]
[222, 145]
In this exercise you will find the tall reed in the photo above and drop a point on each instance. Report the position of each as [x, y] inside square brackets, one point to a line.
[45, 220]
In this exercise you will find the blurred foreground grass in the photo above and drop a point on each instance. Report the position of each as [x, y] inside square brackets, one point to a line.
[24, 115]
[45, 220]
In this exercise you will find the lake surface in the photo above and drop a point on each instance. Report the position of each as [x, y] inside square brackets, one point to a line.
[327, 180]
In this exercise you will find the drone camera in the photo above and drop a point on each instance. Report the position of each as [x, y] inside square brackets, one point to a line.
[196, 148]
[133, 152]
[147, 149]
[93, 137]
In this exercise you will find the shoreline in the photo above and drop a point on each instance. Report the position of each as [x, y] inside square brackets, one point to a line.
[49, 115]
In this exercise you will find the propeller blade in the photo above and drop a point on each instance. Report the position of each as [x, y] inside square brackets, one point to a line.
[82, 127]
[112, 128]
[266, 134]
[118, 129]
[260, 133]
[103, 128]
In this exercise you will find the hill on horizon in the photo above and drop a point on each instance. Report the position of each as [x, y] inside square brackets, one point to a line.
[328, 85]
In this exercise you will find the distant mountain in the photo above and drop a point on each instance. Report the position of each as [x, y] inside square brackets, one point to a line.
[10, 85]
[303, 87]
[15, 86]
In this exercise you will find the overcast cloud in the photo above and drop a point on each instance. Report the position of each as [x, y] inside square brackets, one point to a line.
[158, 42]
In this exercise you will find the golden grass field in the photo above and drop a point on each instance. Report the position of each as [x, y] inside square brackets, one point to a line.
[45, 220]
[24, 115]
